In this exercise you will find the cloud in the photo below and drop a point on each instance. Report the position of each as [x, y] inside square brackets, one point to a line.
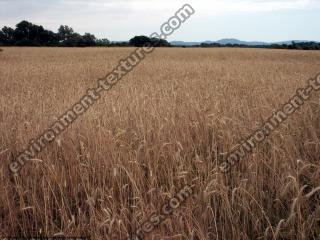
[255, 5]
[14, 8]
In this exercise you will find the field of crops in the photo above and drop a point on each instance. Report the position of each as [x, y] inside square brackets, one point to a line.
[167, 124]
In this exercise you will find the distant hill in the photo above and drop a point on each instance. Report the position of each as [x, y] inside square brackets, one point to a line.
[182, 43]
[236, 41]
[239, 42]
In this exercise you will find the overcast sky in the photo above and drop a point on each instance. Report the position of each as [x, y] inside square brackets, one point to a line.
[262, 20]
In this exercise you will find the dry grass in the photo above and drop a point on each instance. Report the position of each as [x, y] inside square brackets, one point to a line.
[161, 127]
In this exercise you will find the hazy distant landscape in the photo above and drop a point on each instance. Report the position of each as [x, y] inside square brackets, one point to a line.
[234, 41]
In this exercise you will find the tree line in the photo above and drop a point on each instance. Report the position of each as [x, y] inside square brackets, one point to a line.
[29, 34]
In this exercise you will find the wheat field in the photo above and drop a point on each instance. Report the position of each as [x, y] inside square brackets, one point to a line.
[165, 125]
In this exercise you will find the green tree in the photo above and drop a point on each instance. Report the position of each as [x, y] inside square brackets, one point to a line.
[103, 42]
[88, 39]
[28, 34]
[65, 32]
[48, 38]
[8, 35]
[158, 42]
[2, 38]
[139, 41]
